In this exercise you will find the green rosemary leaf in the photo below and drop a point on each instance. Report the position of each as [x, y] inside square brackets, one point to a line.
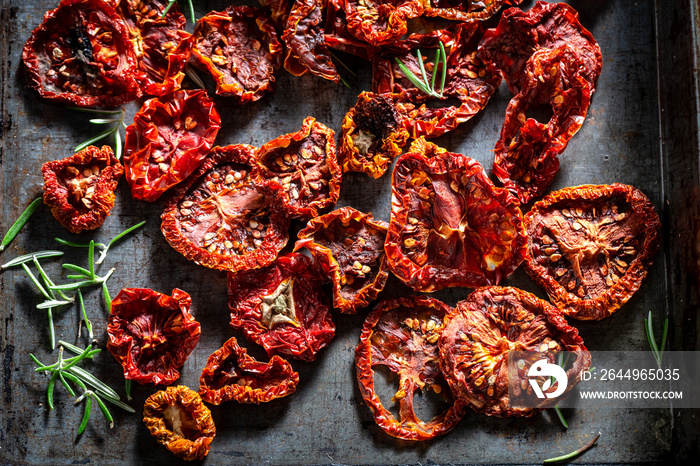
[436, 63]
[91, 259]
[126, 232]
[96, 111]
[421, 65]
[192, 74]
[88, 324]
[104, 410]
[93, 140]
[74, 268]
[104, 121]
[663, 340]
[120, 404]
[444, 68]
[74, 286]
[36, 281]
[127, 388]
[65, 383]
[93, 381]
[118, 143]
[561, 417]
[108, 298]
[167, 8]
[412, 77]
[30, 257]
[52, 303]
[49, 390]
[86, 415]
[19, 223]
[349, 70]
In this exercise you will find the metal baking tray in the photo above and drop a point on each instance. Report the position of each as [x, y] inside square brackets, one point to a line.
[641, 129]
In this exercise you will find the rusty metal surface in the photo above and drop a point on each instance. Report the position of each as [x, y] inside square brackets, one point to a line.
[325, 421]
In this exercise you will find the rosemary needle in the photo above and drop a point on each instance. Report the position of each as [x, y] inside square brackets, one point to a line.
[19, 223]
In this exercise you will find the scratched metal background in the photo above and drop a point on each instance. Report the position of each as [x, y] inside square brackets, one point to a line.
[642, 129]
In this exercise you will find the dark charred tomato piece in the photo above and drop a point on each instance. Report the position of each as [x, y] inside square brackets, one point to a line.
[348, 245]
[590, 247]
[81, 55]
[303, 168]
[168, 141]
[162, 45]
[380, 22]
[401, 336]
[79, 189]
[549, 26]
[240, 49]
[526, 154]
[450, 226]
[151, 334]
[230, 374]
[373, 135]
[222, 218]
[306, 47]
[282, 307]
[180, 422]
[482, 330]
[463, 10]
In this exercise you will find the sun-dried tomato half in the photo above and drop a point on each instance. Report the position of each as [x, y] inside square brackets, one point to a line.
[401, 336]
[373, 135]
[348, 245]
[179, 420]
[230, 374]
[549, 26]
[526, 154]
[450, 226]
[222, 218]
[162, 45]
[168, 141]
[282, 307]
[590, 247]
[151, 334]
[306, 47]
[380, 22]
[482, 330]
[302, 167]
[79, 189]
[81, 55]
[240, 49]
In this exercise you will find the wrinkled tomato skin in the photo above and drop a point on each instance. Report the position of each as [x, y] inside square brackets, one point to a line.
[401, 335]
[230, 374]
[337, 36]
[300, 334]
[79, 198]
[222, 217]
[348, 246]
[480, 333]
[450, 226]
[380, 23]
[463, 10]
[151, 334]
[81, 55]
[591, 246]
[168, 141]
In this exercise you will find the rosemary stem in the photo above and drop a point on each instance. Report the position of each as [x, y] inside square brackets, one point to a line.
[574, 453]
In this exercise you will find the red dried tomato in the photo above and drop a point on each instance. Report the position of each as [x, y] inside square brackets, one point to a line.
[381, 22]
[348, 245]
[79, 189]
[282, 307]
[151, 334]
[162, 45]
[401, 335]
[450, 226]
[240, 49]
[482, 330]
[169, 139]
[337, 36]
[81, 55]
[590, 247]
[464, 10]
[373, 135]
[230, 374]
[526, 154]
[179, 420]
[222, 218]
[279, 11]
[306, 47]
[303, 168]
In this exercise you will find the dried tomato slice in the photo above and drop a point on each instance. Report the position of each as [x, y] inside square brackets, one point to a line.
[348, 245]
[526, 154]
[303, 168]
[279, 11]
[162, 45]
[373, 135]
[380, 22]
[450, 226]
[230, 374]
[79, 189]
[179, 420]
[590, 247]
[169, 139]
[222, 218]
[463, 10]
[482, 330]
[151, 334]
[81, 55]
[240, 49]
[549, 26]
[401, 335]
[306, 47]
[282, 307]
[337, 36]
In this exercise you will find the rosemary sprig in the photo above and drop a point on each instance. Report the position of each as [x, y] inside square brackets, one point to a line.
[574, 453]
[19, 223]
[170, 4]
[657, 350]
[114, 130]
[560, 363]
[104, 248]
[426, 85]
[192, 74]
